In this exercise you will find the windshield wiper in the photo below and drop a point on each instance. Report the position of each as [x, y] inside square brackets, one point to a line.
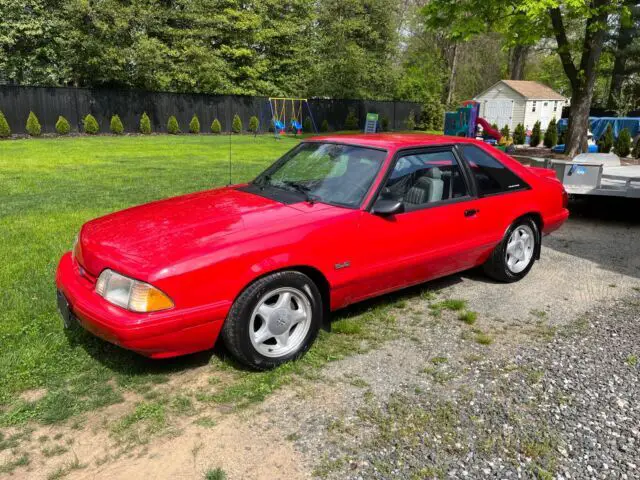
[262, 181]
[303, 189]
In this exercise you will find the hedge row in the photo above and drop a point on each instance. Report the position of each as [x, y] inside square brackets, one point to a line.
[91, 126]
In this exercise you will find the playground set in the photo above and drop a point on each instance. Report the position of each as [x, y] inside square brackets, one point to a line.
[464, 122]
[287, 115]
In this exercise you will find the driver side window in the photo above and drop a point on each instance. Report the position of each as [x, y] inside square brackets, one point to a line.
[420, 179]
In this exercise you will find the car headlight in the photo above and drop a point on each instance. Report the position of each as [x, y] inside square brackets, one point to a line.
[131, 294]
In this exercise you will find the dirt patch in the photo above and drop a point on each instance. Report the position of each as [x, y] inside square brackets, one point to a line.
[33, 395]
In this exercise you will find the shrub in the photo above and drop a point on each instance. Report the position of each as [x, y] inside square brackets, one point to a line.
[410, 122]
[62, 126]
[551, 134]
[116, 126]
[91, 126]
[324, 126]
[495, 126]
[635, 153]
[254, 124]
[145, 124]
[623, 143]
[216, 127]
[384, 123]
[535, 135]
[5, 130]
[172, 125]
[307, 125]
[606, 140]
[518, 134]
[505, 132]
[432, 115]
[236, 125]
[33, 125]
[194, 124]
[351, 122]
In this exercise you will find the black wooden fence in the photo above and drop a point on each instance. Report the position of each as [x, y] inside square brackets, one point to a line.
[74, 103]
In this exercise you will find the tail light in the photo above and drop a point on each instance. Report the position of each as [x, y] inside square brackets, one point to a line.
[565, 198]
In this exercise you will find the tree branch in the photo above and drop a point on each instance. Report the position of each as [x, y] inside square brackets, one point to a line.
[563, 46]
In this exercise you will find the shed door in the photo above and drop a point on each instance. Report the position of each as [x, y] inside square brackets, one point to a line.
[499, 112]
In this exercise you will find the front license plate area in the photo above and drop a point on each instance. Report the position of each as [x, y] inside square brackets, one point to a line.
[65, 310]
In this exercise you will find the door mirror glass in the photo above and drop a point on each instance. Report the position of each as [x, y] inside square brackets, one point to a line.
[385, 207]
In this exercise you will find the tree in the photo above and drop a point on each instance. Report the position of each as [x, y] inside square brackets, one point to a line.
[145, 124]
[526, 22]
[173, 128]
[351, 122]
[116, 126]
[33, 125]
[535, 135]
[236, 125]
[519, 134]
[62, 126]
[194, 124]
[551, 134]
[605, 143]
[215, 126]
[625, 48]
[90, 125]
[623, 143]
[254, 124]
[5, 130]
[636, 150]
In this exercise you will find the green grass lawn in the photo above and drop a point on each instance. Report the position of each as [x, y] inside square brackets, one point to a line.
[48, 189]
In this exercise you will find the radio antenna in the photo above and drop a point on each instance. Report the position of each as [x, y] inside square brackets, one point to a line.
[230, 133]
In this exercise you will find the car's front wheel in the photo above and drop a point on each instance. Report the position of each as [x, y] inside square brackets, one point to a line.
[274, 320]
[512, 259]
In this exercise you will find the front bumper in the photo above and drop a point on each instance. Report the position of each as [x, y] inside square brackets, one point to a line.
[162, 334]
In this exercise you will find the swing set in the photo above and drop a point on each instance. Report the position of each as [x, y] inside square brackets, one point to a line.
[287, 113]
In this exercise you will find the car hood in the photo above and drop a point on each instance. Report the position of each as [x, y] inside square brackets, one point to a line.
[142, 239]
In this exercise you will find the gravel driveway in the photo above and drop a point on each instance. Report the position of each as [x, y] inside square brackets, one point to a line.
[552, 393]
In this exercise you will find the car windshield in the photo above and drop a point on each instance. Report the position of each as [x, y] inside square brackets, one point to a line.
[325, 172]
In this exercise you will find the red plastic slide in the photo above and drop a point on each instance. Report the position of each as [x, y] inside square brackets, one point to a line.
[488, 130]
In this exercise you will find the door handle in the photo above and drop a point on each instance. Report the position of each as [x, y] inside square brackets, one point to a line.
[472, 212]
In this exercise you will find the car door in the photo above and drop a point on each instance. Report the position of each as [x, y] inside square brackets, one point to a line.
[502, 195]
[434, 236]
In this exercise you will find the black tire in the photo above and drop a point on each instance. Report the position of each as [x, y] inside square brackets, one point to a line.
[236, 328]
[496, 265]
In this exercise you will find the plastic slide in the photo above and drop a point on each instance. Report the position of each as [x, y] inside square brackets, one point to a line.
[488, 130]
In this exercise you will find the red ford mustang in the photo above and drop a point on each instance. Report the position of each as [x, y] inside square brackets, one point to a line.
[336, 220]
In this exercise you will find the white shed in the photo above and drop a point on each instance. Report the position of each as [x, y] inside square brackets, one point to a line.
[510, 102]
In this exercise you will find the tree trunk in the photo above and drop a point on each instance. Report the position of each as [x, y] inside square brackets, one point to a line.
[583, 78]
[517, 61]
[452, 74]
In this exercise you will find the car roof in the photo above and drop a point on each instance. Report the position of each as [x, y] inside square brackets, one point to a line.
[392, 141]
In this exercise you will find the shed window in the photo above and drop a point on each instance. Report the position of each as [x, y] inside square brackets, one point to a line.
[555, 106]
[533, 106]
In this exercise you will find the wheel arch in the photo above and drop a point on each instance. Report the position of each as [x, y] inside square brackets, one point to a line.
[537, 219]
[318, 278]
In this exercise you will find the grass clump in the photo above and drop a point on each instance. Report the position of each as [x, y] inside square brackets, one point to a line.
[346, 326]
[21, 461]
[469, 317]
[483, 338]
[90, 125]
[215, 474]
[66, 469]
[54, 451]
[632, 360]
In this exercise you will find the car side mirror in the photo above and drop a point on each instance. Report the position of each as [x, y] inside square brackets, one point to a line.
[386, 207]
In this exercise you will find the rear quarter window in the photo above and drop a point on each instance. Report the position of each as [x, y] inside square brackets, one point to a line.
[491, 176]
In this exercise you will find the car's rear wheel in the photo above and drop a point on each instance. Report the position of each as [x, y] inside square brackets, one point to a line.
[274, 320]
[512, 259]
